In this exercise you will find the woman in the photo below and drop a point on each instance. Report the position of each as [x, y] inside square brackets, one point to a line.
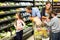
[46, 11]
[46, 14]
[19, 25]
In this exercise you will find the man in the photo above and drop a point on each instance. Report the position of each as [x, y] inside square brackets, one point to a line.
[55, 26]
[33, 11]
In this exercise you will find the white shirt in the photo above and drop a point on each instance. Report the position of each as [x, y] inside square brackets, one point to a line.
[21, 24]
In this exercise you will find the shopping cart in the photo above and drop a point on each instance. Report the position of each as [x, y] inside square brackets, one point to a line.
[39, 30]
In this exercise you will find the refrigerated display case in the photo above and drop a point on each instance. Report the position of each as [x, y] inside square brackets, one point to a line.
[8, 10]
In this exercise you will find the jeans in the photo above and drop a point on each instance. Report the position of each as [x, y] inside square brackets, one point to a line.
[19, 35]
[56, 36]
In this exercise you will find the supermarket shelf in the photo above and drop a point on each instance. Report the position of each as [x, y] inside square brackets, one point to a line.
[7, 13]
[57, 2]
[39, 5]
[56, 6]
[16, 0]
[11, 13]
[27, 29]
[21, 1]
[7, 20]
[6, 27]
[40, 1]
[14, 6]
[27, 32]
[8, 38]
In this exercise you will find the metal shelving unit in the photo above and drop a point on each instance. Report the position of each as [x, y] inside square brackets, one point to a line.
[12, 19]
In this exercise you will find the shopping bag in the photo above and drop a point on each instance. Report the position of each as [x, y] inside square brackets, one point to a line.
[37, 21]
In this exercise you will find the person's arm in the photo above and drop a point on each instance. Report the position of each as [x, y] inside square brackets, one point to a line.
[36, 12]
[23, 24]
[49, 23]
[33, 13]
[15, 24]
[17, 27]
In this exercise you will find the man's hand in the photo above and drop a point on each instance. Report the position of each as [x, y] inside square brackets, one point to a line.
[31, 18]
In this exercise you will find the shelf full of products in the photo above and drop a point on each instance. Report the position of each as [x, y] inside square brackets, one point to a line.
[7, 18]
[11, 32]
[56, 7]
[13, 4]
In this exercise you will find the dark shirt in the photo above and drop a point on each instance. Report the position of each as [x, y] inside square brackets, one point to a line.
[43, 12]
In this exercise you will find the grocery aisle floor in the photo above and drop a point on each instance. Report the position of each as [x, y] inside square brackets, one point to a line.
[32, 38]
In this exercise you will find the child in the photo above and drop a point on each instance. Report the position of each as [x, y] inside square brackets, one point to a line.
[55, 26]
[19, 25]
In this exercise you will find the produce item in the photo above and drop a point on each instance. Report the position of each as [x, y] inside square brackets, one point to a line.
[2, 12]
[8, 17]
[7, 11]
[9, 34]
[17, 4]
[27, 3]
[2, 34]
[0, 4]
[7, 3]
[30, 24]
[5, 18]
[18, 9]
[43, 32]
[37, 35]
[4, 4]
[25, 27]
[22, 9]
[38, 3]
[13, 32]
[12, 10]
[11, 3]
[1, 19]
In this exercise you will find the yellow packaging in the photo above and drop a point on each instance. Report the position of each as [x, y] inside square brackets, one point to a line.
[55, 0]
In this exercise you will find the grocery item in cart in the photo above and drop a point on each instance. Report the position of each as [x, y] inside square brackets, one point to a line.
[37, 21]
[42, 33]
